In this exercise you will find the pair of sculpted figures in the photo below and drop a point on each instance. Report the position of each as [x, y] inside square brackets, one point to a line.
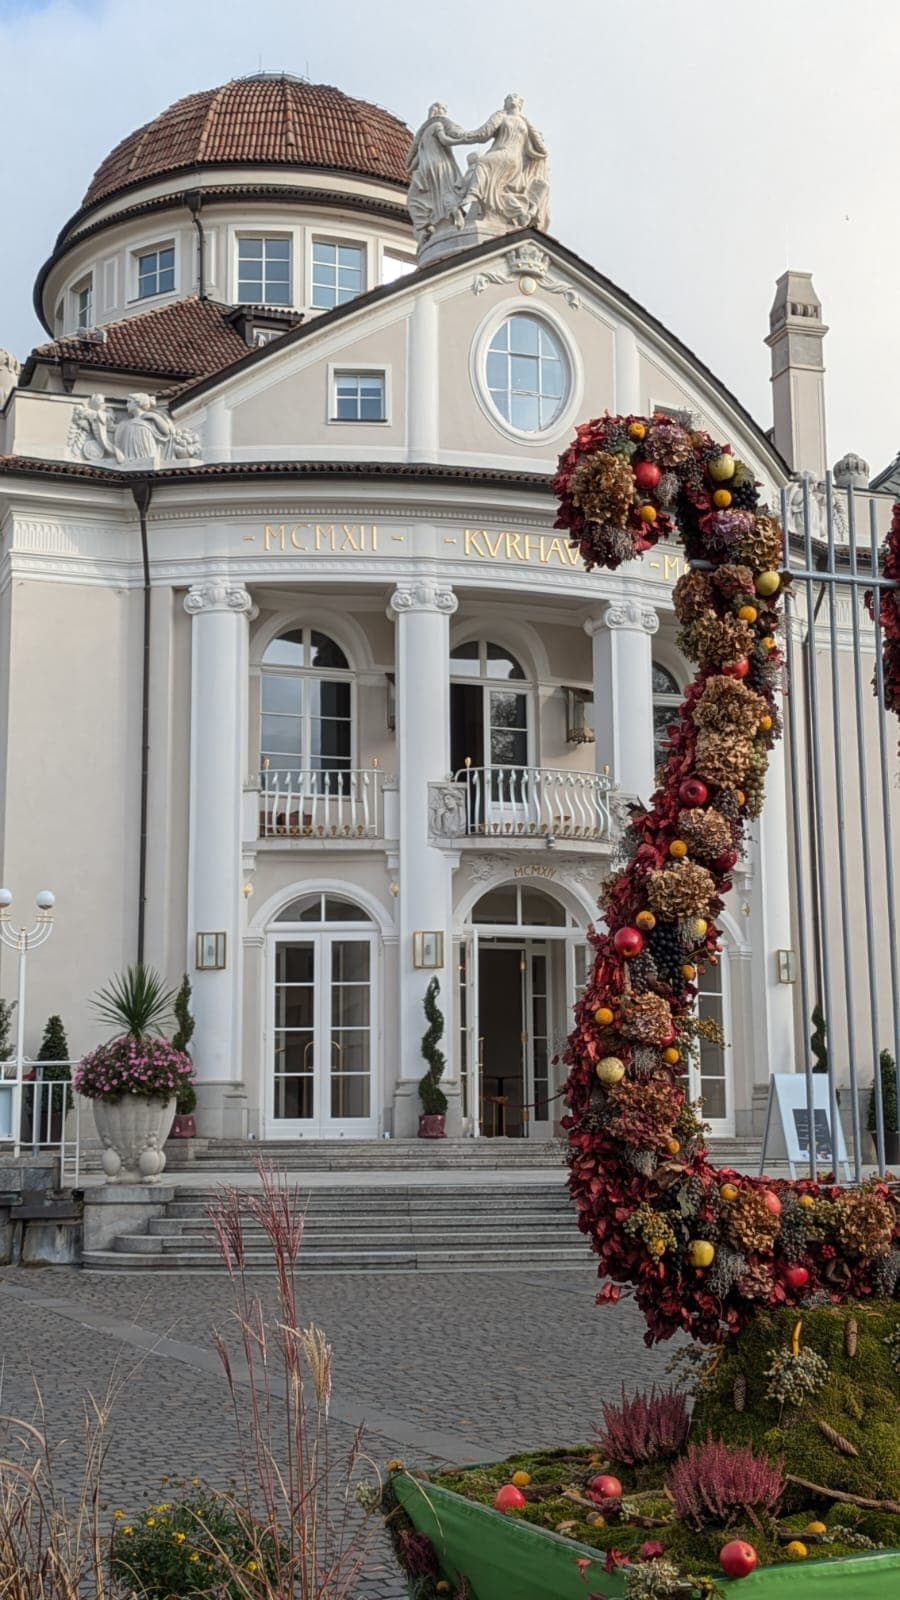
[504, 186]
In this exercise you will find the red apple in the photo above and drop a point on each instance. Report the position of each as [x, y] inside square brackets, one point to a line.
[737, 1558]
[605, 1485]
[629, 941]
[647, 474]
[651, 1549]
[509, 1498]
[693, 792]
[772, 1202]
[737, 669]
[796, 1277]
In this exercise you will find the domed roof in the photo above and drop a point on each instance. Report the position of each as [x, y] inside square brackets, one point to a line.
[269, 118]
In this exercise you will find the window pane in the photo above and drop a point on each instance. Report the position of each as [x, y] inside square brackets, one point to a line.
[551, 378]
[540, 908]
[524, 412]
[350, 957]
[498, 905]
[350, 256]
[509, 747]
[663, 681]
[294, 963]
[280, 737]
[508, 710]
[294, 1005]
[281, 693]
[167, 258]
[523, 335]
[501, 663]
[466, 660]
[350, 1095]
[523, 373]
[325, 653]
[307, 909]
[497, 370]
[323, 296]
[277, 294]
[323, 252]
[250, 249]
[278, 249]
[338, 909]
[286, 651]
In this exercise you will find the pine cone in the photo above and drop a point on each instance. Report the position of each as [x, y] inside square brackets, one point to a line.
[739, 1392]
[851, 1336]
[835, 1439]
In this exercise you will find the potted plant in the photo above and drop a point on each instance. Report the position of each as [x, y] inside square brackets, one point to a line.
[184, 1126]
[434, 1101]
[888, 1072]
[134, 1079]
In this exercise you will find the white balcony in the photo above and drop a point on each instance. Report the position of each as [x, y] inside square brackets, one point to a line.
[536, 802]
[334, 804]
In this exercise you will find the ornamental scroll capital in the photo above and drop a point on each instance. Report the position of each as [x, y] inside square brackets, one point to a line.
[423, 594]
[633, 616]
[217, 594]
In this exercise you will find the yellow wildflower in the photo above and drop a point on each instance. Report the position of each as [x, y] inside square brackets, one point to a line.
[193, 1556]
[118, 1515]
[179, 1538]
[195, 1482]
[150, 1523]
[252, 1566]
[129, 1529]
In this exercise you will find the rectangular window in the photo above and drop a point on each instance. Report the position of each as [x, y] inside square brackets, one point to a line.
[83, 295]
[359, 397]
[338, 273]
[156, 271]
[264, 272]
[394, 266]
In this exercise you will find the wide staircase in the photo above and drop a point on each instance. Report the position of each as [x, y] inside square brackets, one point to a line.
[394, 1206]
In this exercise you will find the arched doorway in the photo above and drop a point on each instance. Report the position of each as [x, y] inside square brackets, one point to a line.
[322, 1078]
[523, 960]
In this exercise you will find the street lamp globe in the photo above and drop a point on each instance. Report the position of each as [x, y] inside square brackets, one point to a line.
[45, 900]
[5, 898]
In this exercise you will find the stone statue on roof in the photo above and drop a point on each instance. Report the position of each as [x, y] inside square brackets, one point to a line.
[504, 187]
[9, 375]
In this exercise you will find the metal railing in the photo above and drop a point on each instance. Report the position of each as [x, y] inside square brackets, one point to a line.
[544, 802]
[841, 749]
[49, 1114]
[345, 803]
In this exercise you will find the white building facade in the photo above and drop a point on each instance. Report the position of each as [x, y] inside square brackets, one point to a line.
[303, 692]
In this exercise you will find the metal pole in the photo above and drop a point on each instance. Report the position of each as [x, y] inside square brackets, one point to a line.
[849, 975]
[22, 945]
[800, 875]
[886, 813]
[864, 834]
[814, 754]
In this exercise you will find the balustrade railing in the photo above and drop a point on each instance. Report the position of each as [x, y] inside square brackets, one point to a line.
[545, 802]
[338, 803]
[49, 1114]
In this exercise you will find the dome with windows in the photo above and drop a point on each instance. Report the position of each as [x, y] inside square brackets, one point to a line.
[266, 119]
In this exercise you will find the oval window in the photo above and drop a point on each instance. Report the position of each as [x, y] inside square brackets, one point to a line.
[527, 373]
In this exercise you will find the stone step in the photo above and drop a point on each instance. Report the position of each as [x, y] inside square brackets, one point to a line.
[380, 1222]
[499, 1259]
[372, 1243]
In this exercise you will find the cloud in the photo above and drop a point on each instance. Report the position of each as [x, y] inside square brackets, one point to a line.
[696, 151]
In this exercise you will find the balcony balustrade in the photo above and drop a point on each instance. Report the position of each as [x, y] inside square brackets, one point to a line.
[540, 802]
[337, 803]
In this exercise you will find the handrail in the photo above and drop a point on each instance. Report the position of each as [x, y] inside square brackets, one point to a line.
[334, 803]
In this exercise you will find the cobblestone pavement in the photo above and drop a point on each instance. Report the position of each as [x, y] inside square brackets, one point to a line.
[456, 1368]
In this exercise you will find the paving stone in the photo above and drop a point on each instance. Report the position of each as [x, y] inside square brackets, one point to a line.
[463, 1367]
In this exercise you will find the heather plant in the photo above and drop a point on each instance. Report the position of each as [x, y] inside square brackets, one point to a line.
[714, 1483]
[643, 1428]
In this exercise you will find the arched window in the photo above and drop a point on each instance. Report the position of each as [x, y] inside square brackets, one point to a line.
[667, 698]
[527, 373]
[306, 704]
[488, 716]
[322, 907]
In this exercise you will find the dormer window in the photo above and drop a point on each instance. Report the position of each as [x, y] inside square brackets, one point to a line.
[264, 271]
[156, 271]
[83, 303]
[338, 272]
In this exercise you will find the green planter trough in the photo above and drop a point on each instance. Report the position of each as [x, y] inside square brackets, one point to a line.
[503, 1559]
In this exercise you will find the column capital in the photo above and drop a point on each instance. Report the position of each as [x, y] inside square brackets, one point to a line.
[632, 616]
[219, 594]
[422, 594]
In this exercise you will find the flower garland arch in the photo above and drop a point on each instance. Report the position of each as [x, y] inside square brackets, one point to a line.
[701, 1247]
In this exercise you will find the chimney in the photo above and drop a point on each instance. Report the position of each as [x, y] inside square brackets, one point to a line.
[798, 373]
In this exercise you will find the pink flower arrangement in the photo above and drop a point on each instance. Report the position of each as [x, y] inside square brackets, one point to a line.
[127, 1065]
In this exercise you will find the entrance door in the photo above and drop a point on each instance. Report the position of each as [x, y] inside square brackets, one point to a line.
[711, 1078]
[501, 981]
[322, 1037]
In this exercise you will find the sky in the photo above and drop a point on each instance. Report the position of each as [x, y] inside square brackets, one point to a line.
[697, 150]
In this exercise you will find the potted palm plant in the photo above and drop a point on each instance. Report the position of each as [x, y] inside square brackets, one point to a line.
[434, 1101]
[184, 1126]
[135, 1078]
[888, 1072]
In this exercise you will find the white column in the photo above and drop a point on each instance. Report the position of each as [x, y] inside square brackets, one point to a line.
[220, 609]
[770, 900]
[422, 608]
[623, 694]
[627, 372]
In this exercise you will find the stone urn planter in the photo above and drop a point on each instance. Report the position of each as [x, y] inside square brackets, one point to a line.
[432, 1125]
[133, 1131]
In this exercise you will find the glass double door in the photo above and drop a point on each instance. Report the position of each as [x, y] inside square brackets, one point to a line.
[322, 1037]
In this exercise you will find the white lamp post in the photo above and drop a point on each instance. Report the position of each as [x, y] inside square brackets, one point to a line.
[22, 940]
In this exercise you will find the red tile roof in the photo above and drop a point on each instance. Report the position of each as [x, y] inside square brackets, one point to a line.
[266, 118]
[185, 341]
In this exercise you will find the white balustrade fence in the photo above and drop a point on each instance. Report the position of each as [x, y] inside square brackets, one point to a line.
[333, 804]
[49, 1114]
[546, 802]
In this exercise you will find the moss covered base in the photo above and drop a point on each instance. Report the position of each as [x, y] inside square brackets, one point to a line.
[856, 1403]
